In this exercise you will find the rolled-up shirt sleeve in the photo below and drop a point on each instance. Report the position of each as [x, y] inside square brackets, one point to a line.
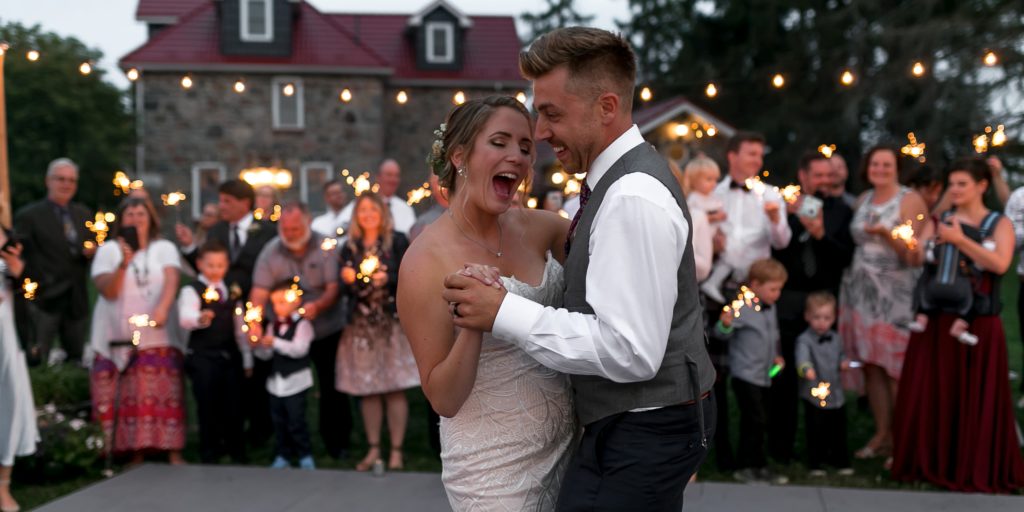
[637, 242]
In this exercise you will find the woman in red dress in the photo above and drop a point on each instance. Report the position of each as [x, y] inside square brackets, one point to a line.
[954, 424]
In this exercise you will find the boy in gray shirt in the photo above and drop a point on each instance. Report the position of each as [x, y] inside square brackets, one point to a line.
[819, 362]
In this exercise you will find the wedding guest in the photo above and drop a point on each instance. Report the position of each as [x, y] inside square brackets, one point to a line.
[928, 183]
[286, 344]
[819, 361]
[954, 424]
[840, 175]
[136, 274]
[53, 234]
[18, 431]
[375, 361]
[296, 253]
[815, 258]
[330, 223]
[753, 351]
[389, 177]
[706, 211]
[876, 294]
[1015, 212]
[218, 356]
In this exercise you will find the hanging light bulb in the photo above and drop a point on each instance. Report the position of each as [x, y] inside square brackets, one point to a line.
[711, 90]
[133, 74]
[239, 86]
[402, 97]
[646, 94]
[918, 69]
[778, 81]
[288, 90]
[459, 98]
[85, 68]
[521, 96]
[990, 58]
[186, 82]
[32, 55]
[711, 131]
[847, 78]
[346, 95]
[681, 130]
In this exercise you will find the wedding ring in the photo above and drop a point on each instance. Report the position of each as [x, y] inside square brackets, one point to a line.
[455, 309]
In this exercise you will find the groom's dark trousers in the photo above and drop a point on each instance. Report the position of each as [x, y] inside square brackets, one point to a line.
[637, 460]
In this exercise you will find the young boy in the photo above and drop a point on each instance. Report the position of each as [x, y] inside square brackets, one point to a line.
[819, 361]
[754, 349]
[286, 344]
[218, 355]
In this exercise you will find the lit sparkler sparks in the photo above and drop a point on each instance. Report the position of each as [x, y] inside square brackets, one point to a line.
[367, 267]
[211, 295]
[29, 287]
[100, 226]
[173, 198]
[293, 293]
[827, 150]
[360, 183]
[746, 298]
[821, 392]
[914, 149]
[329, 244]
[418, 194]
[124, 184]
[790, 193]
[252, 315]
[138, 322]
[905, 232]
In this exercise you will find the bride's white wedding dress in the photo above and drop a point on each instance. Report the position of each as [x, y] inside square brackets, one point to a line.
[510, 443]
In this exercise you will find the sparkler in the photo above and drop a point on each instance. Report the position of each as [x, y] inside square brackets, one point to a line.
[174, 199]
[790, 193]
[29, 287]
[329, 244]
[211, 295]
[827, 150]
[252, 315]
[416, 195]
[572, 186]
[746, 298]
[913, 148]
[821, 392]
[100, 227]
[124, 184]
[368, 267]
[360, 183]
[293, 293]
[139, 321]
[905, 232]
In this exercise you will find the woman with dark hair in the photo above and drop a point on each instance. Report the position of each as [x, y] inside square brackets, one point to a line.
[137, 357]
[954, 423]
[877, 288]
[928, 183]
[374, 359]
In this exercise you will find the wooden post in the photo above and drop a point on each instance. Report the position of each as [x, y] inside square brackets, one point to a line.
[5, 181]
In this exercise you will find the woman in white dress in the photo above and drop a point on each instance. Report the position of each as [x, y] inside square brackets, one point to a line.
[18, 432]
[508, 422]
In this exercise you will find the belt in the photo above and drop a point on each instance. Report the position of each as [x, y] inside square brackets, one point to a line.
[702, 397]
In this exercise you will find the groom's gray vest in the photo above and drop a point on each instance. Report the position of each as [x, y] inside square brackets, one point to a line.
[686, 372]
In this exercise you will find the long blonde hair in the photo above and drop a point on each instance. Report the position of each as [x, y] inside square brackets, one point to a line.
[387, 224]
[696, 167]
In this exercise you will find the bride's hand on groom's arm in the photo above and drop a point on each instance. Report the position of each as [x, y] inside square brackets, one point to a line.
[476, 303]
[486, 274]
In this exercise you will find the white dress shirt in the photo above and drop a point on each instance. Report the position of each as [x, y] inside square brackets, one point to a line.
[298, 347]
[403, 214]
[190, 306]
[637, 242]
[749, 233]
[243, 229]
[1015, 211]
[330, 222]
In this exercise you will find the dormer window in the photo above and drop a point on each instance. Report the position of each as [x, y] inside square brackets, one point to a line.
[440, 42]
[257, 21]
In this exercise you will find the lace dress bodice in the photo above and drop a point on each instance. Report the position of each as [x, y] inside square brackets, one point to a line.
[509, 444]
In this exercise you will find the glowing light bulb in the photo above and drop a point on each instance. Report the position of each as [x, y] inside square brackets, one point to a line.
[288, 90]
[681, 130]
[847, 78]
[239, 86]
[778, 81]
[521, 96]
[186, 82]
[85, 68]
[991, 59]
[918, 69]
[646, 94]
[346, 95]
[711, 90]
[402, 97]
[459, 98]
[32, 55]
[133, 74]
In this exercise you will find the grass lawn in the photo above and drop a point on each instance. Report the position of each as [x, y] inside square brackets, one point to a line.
[418, 456]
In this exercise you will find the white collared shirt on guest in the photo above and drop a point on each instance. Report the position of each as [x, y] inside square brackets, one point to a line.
[190, 307]
[637, 242]
[329, 223]
[749, 233]
[403, 214]
[301, 380]
[243, 229]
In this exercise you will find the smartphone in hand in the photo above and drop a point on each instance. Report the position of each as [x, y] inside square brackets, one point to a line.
[131, 237]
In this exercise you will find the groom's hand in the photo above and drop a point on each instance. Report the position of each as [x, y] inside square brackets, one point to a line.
[474, 304]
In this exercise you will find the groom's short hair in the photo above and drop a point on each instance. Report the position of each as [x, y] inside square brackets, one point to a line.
[597, 60]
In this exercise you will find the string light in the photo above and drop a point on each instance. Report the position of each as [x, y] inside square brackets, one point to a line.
[521, 96]
[711, 131]
[402, 97]
[239, 87]
[531, 203]
[264, 176]
[711, 90]
[288, 90]
[85, 68]
[32, 55]
[646, 94]
[847, 78]
[990, 59]
[558, 178]
[778, 81]
[459, 98]
[133, 74]
[346, 95]
[681, 130]
[186, 82]
[918, 69]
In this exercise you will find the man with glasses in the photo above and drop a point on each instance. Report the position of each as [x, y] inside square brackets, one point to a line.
[57, 250]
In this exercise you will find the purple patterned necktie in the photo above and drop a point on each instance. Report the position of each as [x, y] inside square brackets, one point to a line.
[584, 197]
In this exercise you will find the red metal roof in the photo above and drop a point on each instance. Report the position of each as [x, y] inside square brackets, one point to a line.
[367, 42]
[165, 8]
[193, 43]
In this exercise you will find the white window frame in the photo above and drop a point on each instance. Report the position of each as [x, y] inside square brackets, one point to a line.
[252, 37]
[278, 83]
[306, 169]
[196, 175]
[449, 36]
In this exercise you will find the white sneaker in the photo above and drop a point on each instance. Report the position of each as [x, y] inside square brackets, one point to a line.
[845, 472]
[817, 473]
[57, 356]
[967, 339]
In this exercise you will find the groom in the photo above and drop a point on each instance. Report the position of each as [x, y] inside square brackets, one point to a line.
[630, 334]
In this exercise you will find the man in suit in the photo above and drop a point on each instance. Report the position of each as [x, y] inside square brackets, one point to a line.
[54, 236]
[819, 251]
[244, 236]
[630, 333]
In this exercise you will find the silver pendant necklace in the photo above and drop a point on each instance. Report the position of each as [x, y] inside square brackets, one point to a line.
[477, 242]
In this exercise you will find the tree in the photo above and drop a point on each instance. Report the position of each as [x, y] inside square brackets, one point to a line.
[682, 45]
[560, 13]
[53, 110]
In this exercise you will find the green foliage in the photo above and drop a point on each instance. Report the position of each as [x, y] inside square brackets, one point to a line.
[684, 44]
[54, 111]
[65, 385]
[559, 13]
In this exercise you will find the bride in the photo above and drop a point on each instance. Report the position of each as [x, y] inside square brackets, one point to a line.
[508, 422]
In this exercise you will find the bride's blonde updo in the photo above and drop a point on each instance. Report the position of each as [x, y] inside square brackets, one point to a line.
[460, 129]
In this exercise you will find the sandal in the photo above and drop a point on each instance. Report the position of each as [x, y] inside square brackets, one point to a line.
[372, 455]
[396, 453]
[869, 452]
